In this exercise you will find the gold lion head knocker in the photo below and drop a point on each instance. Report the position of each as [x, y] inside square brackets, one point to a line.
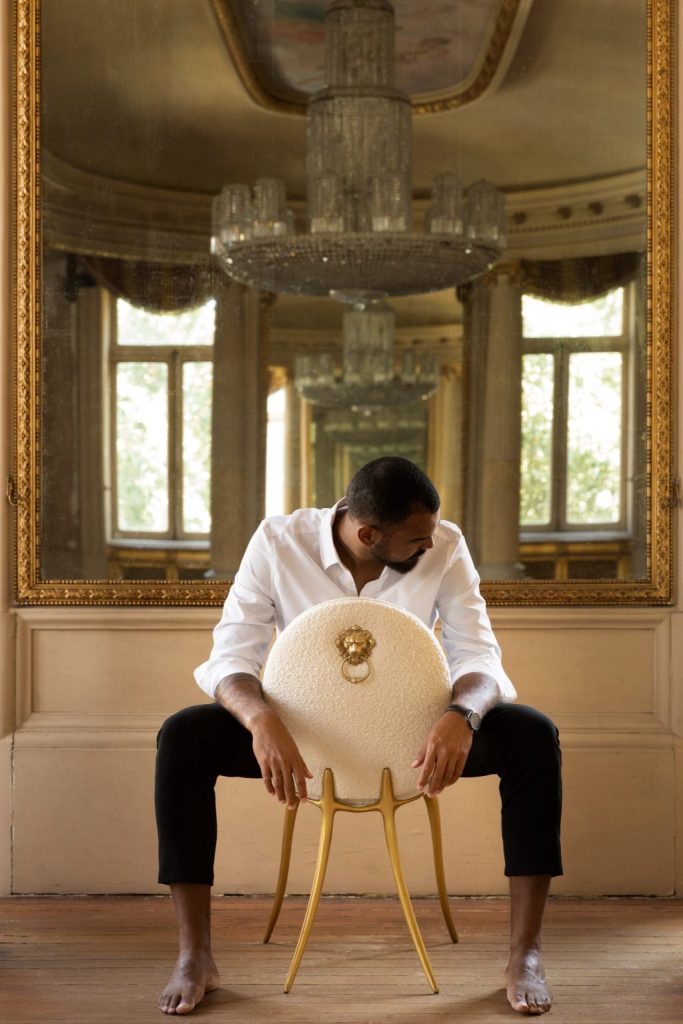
[355, 645]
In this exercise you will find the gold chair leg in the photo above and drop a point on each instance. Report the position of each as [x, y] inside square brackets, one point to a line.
[387, 807]
[437, 848]
[285, 857]
[327, 807]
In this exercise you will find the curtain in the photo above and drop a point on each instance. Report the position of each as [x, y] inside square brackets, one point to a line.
[157, 287]
[579, 280]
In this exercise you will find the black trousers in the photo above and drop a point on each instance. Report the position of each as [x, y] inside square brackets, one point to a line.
[196, 745]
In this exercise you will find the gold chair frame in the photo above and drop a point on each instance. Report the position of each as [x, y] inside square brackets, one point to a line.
[387, 806]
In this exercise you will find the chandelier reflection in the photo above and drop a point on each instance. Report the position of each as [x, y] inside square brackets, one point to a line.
[380, 431]
[370, 378]
[359, 193]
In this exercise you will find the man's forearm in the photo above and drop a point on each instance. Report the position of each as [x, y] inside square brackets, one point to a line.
[282, 766]
[242, 696]
[478, 691]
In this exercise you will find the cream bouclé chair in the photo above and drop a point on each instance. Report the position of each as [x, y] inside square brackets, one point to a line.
[359, 684]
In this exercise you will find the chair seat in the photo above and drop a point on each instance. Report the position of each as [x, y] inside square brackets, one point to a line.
[358, 728]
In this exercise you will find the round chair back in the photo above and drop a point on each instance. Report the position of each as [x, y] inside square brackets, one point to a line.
[359, 684]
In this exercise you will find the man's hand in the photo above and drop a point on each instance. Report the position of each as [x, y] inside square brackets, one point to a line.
[282, 766]
[444, 754]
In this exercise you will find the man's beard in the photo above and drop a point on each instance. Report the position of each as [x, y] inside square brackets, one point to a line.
[403, 567]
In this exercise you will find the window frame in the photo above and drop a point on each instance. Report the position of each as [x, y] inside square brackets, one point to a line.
[561, 349]
[174, 357]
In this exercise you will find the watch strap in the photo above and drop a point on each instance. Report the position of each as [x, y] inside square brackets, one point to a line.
[466, 713]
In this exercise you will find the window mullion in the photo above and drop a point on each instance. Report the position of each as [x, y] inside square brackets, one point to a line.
[175, 483]
[113, 447]
[560, 419]
[627, 441]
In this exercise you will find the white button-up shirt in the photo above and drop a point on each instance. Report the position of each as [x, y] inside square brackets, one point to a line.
[291, 564]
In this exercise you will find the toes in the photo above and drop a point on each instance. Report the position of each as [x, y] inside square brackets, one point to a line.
[164, 1000]
[187, 1001]
[519, 1004]
[527, 1004]
[537, 1006]
[185, 1006]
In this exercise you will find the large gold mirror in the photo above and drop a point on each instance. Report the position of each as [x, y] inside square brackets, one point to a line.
[163, 408]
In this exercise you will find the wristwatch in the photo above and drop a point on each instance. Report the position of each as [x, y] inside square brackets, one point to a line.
[471, 717]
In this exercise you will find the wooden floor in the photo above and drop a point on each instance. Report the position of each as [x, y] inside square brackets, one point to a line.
[87, 960]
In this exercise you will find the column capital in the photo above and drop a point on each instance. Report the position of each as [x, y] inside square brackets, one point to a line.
[511, 270]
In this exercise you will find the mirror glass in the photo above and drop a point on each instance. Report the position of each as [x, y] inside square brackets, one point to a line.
[173, 404]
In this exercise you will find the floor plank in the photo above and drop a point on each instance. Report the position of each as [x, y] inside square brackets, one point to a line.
[95, 960]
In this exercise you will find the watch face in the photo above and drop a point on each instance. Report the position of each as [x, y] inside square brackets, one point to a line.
[475, 720]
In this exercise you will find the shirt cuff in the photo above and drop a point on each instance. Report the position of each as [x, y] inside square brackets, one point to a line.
[210, 674]
[489, 668]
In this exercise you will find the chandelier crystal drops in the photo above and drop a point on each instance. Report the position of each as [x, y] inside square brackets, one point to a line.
[369, 380]
[359, 194]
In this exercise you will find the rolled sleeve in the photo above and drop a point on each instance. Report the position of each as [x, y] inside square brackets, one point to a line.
[241, 638]
[466, 633]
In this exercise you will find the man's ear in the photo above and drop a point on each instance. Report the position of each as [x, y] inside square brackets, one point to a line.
[367, 535]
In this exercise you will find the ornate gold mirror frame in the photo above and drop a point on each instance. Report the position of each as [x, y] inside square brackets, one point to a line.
[24, 488]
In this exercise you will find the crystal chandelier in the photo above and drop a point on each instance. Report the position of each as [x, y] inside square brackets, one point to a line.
[359, 196]
[369, 379]
[391, 426]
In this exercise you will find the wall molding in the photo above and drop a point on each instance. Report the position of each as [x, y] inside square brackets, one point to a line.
[77, 617]
[91, 214]
[90, 731]
[601, 730]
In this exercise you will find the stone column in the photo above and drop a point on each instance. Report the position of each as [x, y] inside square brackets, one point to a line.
[60, 511]
[306, 454]
[293, 489]
[494, 328]
[90, 314]
[325, 454]
[445, 442]
[238, 431]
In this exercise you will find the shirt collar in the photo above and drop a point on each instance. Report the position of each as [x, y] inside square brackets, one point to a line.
[328, 552]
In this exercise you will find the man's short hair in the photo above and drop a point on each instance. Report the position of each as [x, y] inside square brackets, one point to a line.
[386, 491]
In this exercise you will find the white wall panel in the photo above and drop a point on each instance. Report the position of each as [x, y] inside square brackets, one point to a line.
[94, 686]
[84, 823]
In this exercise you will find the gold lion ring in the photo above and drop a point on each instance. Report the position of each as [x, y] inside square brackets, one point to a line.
[355, 646]
[351, 677]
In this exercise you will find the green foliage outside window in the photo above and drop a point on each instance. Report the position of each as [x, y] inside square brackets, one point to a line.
[147, 486]
[578, 445]
[537, 439]
[594, 438]
[142, 446]
[197, 387]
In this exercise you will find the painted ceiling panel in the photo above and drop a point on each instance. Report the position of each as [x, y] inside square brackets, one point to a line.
[439, 44]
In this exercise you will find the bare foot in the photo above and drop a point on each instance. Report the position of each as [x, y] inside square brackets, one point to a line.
[527, 990]
[192, 978]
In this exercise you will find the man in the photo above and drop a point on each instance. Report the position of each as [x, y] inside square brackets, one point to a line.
[384, 541]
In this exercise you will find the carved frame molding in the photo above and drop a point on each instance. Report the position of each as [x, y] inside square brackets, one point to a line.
[24, 489]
